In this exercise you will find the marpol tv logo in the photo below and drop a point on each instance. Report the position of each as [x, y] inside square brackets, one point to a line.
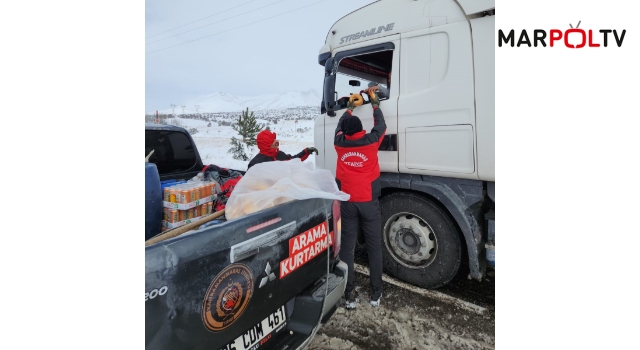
[573, 38]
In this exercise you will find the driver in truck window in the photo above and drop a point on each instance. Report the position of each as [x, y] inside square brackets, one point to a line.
[270, 151]
[357, 173]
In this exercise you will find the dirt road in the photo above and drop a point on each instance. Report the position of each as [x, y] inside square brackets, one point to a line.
[409, 320]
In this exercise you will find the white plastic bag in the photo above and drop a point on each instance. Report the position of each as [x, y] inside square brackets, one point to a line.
[271, 183]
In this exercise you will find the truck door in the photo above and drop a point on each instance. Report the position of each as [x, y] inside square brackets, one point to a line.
[357, 66]
[241, 284]
[436, 104]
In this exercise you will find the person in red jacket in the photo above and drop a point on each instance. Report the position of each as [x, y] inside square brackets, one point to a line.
[269, 151]
[357, 173]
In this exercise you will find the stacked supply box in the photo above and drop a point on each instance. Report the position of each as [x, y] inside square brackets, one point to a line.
[187, 202]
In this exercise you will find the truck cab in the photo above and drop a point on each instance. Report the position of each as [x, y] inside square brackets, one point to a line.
[174, 152]
[436, 59]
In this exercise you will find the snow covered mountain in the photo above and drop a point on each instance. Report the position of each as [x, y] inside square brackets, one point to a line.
[309, 98]
[223, 102]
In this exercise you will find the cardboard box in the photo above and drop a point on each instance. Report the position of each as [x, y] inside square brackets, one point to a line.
[171, 225]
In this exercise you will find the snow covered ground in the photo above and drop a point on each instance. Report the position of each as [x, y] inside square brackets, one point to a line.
[213, 142]
[407, 321]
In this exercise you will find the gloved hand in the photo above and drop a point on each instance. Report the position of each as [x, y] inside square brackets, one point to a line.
[350, 105]
[354, 101]
[373, 97]
[311, 150]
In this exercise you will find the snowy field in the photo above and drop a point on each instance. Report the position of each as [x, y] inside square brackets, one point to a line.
[213, 142]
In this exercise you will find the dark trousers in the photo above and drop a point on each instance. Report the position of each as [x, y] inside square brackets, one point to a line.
[365, 215]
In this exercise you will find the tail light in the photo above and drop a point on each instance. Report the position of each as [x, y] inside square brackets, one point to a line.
[337, 228]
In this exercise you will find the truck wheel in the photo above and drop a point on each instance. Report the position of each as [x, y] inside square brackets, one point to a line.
[421, 242]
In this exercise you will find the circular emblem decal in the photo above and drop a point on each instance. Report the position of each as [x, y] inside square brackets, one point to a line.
[227, 297]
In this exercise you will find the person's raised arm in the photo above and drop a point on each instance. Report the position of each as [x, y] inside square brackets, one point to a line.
[350, 107]
[379, 125]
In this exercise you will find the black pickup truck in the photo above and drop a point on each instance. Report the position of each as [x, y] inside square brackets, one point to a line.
[266, 280]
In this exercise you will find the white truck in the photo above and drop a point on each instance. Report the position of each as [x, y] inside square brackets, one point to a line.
[437, 162]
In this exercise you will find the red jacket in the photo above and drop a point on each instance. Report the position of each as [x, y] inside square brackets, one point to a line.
[357, 169]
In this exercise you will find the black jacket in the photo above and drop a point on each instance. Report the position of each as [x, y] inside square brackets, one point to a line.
[261, 158]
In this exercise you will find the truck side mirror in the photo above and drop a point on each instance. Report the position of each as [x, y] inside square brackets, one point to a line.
[328, 66]
[329, 94]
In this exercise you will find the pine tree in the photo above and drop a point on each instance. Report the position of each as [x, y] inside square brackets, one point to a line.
[247, 126]
[237, 150]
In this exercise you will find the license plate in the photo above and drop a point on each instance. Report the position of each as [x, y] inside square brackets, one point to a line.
[260, 333]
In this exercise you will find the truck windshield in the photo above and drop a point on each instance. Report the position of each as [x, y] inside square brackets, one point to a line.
[173, 151]
[368, 68]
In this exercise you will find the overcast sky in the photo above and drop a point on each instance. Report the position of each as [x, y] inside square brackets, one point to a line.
[275, 55]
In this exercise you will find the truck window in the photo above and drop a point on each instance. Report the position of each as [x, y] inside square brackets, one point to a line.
[173, 151]
[371, 67]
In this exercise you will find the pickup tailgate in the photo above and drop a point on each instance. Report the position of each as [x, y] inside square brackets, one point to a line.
[247, 282]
